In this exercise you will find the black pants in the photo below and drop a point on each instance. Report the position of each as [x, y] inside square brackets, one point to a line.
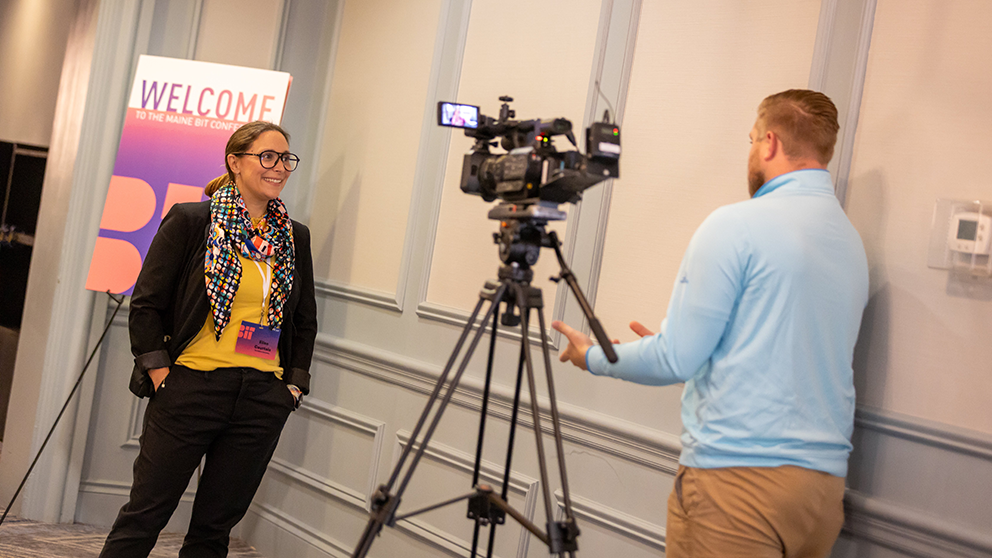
[231, 415]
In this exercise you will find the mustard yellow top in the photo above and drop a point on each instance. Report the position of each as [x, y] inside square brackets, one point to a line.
[206, 353]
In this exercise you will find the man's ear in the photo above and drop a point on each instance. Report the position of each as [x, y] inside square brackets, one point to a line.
[770, 147]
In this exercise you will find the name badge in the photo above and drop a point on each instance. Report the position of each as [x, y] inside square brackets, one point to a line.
[257, 340]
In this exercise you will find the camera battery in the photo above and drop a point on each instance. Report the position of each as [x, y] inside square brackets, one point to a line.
[603, 141]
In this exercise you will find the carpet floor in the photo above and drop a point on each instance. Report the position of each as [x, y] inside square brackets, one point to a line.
[21, 538]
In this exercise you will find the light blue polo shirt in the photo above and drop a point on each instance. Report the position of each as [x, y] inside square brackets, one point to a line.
[761, 327]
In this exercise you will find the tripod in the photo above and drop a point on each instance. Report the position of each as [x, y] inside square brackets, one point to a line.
[522, 235]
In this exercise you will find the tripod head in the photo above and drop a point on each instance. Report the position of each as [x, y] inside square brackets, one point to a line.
[520, 238]
[522, 234]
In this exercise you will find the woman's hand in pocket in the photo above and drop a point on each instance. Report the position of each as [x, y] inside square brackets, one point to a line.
[157, 376]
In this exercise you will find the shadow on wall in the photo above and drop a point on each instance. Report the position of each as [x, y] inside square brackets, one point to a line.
[869, 378]
[868, 210]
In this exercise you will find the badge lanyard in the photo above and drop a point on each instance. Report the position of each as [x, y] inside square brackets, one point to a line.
[266, 286]
[256, 339]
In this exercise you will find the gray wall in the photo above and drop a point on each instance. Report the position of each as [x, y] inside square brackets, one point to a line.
[919, 481]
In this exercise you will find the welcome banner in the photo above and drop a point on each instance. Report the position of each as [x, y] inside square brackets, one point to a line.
[179, 117]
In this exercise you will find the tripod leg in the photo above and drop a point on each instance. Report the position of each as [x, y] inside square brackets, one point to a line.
[482, 432]
[504, 490]
[498, 297]
[475, 538]
[535, 409]
[372, 529]
[485, 400]
[492, 541]
[513, 424]
[555, 421]
[387, 507]
[437, 390]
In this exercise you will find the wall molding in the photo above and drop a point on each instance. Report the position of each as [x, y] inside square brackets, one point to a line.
[277, 55]
[626, 525]
[457, 317]
[432, 159]
[317, 408]
[359, 500]
[323, 485]
[850, 125]
[823, 44]
[489, 473]
[118, 488]
[942, 436]
[878, 522]
[134, 425]
[313, 537]
[632, 442]
[361, 295]
[903, 530]
[350, 419]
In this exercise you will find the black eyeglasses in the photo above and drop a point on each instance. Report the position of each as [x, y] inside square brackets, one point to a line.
[268, 159]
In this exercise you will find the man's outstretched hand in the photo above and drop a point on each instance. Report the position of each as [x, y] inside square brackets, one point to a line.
[640, 330]
[578, 344]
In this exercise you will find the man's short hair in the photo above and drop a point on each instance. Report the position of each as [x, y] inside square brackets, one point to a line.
[806, 122]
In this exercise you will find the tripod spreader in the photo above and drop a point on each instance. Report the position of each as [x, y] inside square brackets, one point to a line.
[482, 508]
[384, 506]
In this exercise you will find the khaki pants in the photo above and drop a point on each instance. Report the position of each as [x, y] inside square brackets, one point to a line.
[753, 512]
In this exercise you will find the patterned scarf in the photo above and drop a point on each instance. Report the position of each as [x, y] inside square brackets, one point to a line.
[231, 233]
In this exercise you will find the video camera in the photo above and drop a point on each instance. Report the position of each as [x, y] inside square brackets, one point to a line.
[531, 170]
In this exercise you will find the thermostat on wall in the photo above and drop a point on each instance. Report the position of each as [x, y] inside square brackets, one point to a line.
[969, 232]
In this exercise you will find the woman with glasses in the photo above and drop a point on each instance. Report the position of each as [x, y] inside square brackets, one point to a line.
[222, 324]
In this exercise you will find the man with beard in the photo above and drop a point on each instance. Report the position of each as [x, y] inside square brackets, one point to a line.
[761, 328]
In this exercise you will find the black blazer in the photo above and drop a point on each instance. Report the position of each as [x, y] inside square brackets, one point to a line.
[169, 305]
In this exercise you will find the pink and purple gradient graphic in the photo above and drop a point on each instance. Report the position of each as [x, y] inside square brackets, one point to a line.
[164, 158]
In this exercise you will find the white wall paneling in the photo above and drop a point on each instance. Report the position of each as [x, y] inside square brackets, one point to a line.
[175, 29]
[548, 75]
[459, 317]
[922, 134]
[362, 295]
[370, 146]
[363, 425]
[282, 523]
[917, 488]
[448, 43]
[322, 474]
[309, 50]
[684, 137]
[632, 442]
[520, 488]
[582, 237]
[648, 534]
[875, 522]
[402, 253]
[840, 60]
[254, 28]
[921, 467]
[608, 85]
